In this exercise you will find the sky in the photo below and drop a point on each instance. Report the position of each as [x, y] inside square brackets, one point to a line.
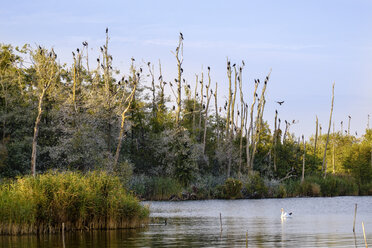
[308, 45]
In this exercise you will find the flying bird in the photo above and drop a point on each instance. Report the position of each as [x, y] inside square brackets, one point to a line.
[280, 102]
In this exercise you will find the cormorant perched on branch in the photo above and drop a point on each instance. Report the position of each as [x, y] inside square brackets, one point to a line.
[280, 103]
[209, 68]
[106, 30]
[181, 35]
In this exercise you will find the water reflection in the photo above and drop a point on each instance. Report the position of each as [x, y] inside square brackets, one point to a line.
[316, 222]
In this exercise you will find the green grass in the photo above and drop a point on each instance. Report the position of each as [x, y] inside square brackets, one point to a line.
[92, 201]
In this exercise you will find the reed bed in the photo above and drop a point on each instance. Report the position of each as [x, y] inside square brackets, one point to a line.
[41, 204]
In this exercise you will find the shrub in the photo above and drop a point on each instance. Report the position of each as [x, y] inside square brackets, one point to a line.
[232, 188]
[255, 186]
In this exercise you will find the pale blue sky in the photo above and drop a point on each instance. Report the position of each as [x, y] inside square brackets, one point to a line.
[308, 45]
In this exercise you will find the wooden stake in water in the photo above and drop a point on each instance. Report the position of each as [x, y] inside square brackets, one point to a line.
[221, 222]
[356, 205]
[364, 234]
[246, 239]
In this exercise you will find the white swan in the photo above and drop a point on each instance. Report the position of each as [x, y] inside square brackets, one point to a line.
[285, 214]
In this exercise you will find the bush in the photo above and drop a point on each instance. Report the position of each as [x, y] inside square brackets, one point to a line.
[255, 186]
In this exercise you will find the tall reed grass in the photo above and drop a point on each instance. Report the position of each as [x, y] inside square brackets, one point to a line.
[92, 201]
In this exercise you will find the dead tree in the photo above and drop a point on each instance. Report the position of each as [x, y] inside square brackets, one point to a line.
[333, 149]
[161, 105]
[348, 126]
[179, 57]
[250, 129]
[368, 123]
[217, 117]
[229, 99]
[316, 137]
[151, 71]
[233, 103]
[241, 118]
[201, 101]
[46, 75]
[126, 104]
[194, 108]
[275, 136]
[303, 160]
[329, 129]
[287, 124]
[260, 109]
[209, 95]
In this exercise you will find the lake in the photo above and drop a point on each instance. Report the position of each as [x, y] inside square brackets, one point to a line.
[316, 222]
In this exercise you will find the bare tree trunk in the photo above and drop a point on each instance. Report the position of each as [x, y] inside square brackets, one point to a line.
[333, 150]
[201, 102]
[342, 128]
[229, 101]
[179, 58]
[161, 84]
[368, 123]
[233, 104]
[36, 133]
[287, 124]
[217, 117]
[316, 138]
[260, 109]
[194, 108]
[241, 119]
[329, 129]
[151, 70]
[250, 129]
[303, 161]
[206, 110]
[128, 102]
[348, 126]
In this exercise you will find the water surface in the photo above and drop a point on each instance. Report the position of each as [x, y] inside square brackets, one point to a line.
[316, 222]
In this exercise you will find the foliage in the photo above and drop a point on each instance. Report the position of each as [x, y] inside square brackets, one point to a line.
[255, 186]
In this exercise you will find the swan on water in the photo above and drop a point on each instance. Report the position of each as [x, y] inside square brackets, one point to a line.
[285, 214]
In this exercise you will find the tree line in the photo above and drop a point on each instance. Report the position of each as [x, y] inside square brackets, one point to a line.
[84, 117]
